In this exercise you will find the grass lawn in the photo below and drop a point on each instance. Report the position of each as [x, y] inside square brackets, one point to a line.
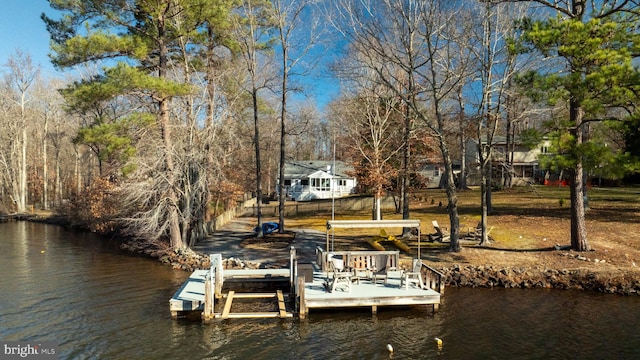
[525, 223]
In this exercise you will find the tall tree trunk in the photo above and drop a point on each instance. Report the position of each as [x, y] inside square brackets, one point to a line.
[406, 175]
[58, 184]
[462, 181]
[377, 203]
[452, 198]
[45, 175]
[578, 226]
[76, 170]
[510, 145]
[173, 216]
[283, 117]
[22, 200]
[483, 193]
[256, 141]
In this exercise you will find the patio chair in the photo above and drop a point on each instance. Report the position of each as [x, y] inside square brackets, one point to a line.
[382, 267]
[339, 278]
[412, 277]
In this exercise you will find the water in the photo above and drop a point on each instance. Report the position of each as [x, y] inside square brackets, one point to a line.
[97, 303]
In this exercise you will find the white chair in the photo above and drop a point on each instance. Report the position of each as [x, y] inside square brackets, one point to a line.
[412, 277]
[339, 277]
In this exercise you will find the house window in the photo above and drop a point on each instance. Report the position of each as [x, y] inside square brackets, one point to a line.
[436, 171]
[321, 184]
[305, 182]
[287, 182]
[342, 182]
[544, 150]
[528, 171]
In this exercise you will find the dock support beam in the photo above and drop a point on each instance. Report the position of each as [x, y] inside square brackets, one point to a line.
[216, 268]
[209, 299]
[300, 300]
[293, 267]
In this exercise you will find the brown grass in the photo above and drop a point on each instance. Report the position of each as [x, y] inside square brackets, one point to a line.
[526, 224]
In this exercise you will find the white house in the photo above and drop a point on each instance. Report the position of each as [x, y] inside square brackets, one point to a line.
[306, 180]
[525, 169]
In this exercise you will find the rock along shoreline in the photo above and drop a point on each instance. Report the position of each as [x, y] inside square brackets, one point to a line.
[472, 276]
[528, 278]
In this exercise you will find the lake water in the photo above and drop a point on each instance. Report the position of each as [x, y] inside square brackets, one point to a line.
[94, 302]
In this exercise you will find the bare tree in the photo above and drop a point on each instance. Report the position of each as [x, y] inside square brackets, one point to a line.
[423, 49]
[497, 67]
[254, 42]
[369, 118]
[21, 76]
[293, 18]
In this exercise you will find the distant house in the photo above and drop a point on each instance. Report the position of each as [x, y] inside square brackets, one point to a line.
[430, 173]
[315, 179]
[525, 168]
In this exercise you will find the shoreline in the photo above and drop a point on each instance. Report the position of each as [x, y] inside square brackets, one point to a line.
[607, 281]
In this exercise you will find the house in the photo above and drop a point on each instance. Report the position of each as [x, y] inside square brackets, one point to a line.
[315, 179]
[524, 164]
[431, 171]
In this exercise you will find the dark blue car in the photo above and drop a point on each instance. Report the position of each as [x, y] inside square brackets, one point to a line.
[267, 228]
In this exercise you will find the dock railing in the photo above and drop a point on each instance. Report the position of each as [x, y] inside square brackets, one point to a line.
[432, 278]
[358, 260]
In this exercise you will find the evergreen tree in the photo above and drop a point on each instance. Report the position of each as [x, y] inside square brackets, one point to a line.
[136, 42]
[596, 75]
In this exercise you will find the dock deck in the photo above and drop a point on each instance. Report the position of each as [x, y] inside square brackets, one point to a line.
[366, 293]
[311, 293]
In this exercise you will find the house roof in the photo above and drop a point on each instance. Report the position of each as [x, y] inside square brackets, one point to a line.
[500, 139]
[298, 169]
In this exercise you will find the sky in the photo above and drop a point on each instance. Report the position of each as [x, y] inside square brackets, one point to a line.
[21, 28]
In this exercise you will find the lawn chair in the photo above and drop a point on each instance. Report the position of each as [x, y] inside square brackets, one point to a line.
[383, 265]
[412, 277]
[441, 233]
[338, 277]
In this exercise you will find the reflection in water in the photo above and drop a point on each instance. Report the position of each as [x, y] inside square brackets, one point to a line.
[94, 302]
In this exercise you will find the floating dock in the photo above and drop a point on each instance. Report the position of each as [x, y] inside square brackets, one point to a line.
[309, 287]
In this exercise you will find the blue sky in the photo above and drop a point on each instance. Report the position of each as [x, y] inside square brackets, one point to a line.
[21, 28]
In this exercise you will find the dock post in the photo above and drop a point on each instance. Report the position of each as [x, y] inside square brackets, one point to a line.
[293, 267]
[216, 268]
[301, 306]
[207, 313]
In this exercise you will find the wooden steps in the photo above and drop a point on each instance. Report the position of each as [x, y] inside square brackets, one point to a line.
[281, 313]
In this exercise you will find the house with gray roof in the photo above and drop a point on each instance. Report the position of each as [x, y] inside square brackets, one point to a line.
[306, 180]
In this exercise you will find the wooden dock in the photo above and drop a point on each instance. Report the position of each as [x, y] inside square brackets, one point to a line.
[366, 293]
[191, 295]
[308, 288]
